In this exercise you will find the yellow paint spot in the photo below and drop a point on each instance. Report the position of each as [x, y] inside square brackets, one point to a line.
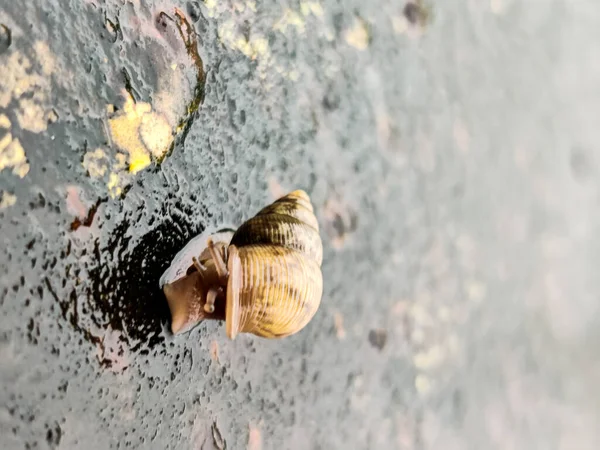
[497, 6]
[400, 24]
[313, 8]
[45, 57]
[358, 35]
[476, 290]
[15, 78]
[12, 154]
[114, 185]
[428, 359]
[290, 18]
[96, 163]
[256, 47]
[7, 199]
[156, 134]
[423, 384]
[31, 115]
[29, 84]
[293, 75]
[140, 132]
[121, 161]
[4, 122]
[261, 46]
[239, 7]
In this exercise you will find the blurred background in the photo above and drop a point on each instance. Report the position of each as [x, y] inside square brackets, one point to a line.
[449, 149]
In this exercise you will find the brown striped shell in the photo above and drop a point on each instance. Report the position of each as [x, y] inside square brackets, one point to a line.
[265, 279]
[275, 283]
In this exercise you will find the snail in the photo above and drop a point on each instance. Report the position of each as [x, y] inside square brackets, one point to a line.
[265, 278]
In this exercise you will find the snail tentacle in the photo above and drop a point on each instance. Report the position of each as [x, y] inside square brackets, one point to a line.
[211, 297]
[218, 258]
[198, 265]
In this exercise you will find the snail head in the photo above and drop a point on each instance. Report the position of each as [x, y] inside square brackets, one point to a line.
[200, 294]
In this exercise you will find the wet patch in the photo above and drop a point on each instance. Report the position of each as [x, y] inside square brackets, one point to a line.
[124, 288]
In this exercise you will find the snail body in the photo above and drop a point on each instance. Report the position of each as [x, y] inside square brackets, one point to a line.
[264, 279]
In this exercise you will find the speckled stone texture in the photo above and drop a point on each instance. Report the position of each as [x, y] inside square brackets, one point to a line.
[449, 148]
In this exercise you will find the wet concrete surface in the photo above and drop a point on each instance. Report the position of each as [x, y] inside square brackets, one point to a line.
[449, 148]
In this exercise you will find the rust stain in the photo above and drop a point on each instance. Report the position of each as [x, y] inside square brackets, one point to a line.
[111, 351]
[461, 136]
[338, 321]
[214, 351]
[254, 438]
[84, 216]
[275, 188]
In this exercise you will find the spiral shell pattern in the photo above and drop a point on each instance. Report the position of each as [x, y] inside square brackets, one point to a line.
[275, 282]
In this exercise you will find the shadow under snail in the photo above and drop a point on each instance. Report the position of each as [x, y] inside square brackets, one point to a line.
[264, 278]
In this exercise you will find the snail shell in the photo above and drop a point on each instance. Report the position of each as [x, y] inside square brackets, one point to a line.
[269, 282]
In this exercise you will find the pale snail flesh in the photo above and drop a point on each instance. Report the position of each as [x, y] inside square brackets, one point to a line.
[264, 279]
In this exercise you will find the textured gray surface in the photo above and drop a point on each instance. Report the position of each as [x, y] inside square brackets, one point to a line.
[453, 164]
